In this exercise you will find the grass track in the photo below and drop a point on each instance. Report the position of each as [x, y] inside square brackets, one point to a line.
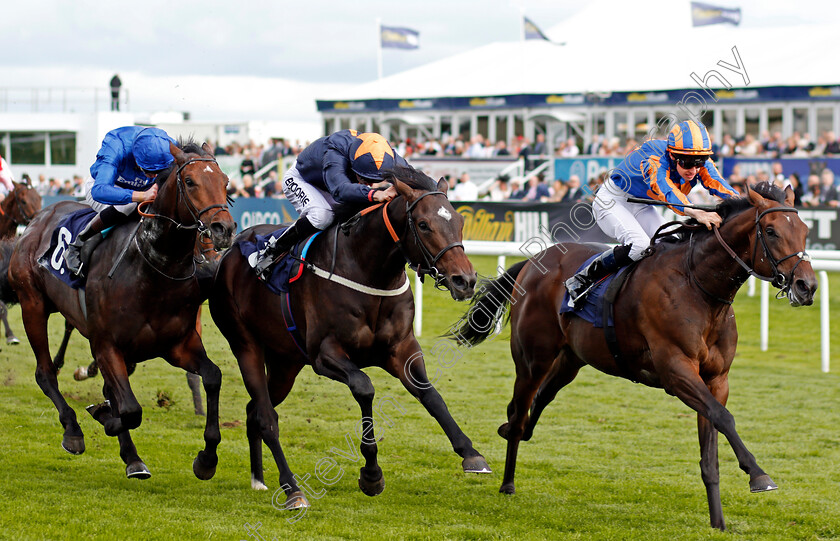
[609, 459]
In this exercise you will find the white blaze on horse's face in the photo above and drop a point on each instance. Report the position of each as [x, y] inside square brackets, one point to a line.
[208, 169]
[444, 213]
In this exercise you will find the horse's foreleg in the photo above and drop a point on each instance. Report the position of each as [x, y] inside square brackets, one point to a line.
[58, 360]
[35, 319]
[194, 383]
[135, 468]
[10, 335]
[407, 364]
[126, 411]
[682, 380]
[333, 363]
[709, 467]
[190, 356]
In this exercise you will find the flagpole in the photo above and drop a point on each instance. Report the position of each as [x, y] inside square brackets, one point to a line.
[379, 48]
[522, 23]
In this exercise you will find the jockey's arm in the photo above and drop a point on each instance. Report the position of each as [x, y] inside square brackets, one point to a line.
[712, 180]
[104, 189]
[657, 175]
[6, 175]
[339, 185]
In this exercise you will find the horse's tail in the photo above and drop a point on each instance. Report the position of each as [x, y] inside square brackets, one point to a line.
[487, 308]
[7, 294]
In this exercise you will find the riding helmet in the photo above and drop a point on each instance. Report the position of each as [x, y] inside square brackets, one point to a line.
[371, 156]
[690, 137]
[151, 150]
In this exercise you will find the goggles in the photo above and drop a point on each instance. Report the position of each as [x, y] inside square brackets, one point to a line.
[690, 162]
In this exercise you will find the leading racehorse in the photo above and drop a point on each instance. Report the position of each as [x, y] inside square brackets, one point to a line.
[357, 314]
[673, 320]
[140, 301]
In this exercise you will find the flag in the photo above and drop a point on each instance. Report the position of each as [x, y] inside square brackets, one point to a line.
[706, 14]
[532, 31]
[400, 38]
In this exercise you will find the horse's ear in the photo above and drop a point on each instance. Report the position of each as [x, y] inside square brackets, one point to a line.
[208, 149]
[790, 197]
[755, 198]
[404, 190]
[179, 156]
[443, 186]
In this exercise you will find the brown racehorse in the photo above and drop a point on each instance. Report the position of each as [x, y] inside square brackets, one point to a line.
[146, 309]
[673, 319]
[343, 329]
[18, 208]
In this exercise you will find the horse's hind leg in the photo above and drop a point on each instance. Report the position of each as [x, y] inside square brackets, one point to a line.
[333, 363]
[58, 360]
[11, 339]
[35, 319]
[564, 370]
[194, 383]
[408, 366]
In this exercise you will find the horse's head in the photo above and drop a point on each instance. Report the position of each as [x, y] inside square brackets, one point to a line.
[435, 232]
[24, 203]
[194, 194]
[779, 247]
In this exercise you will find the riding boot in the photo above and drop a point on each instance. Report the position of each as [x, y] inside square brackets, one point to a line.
[295, 233]
[80, 249]
[608, 262]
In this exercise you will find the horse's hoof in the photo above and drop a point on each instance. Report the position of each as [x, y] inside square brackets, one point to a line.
[137, 470]
[296, 500]
[475, 464]
[12, 341]
[201, 470]
[99, 411]
[762, 483]
[503, 431]
[257, 484]
[75, 445]
[507, 488]
[81, 373]
[373, 483]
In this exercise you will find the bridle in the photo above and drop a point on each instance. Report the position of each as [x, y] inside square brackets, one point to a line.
[778, 279]
[195, 214]
[24, 217]
[428, 266]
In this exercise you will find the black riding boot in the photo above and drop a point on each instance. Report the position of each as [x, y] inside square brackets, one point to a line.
[610, 261]
[296, 232]
[79, 250]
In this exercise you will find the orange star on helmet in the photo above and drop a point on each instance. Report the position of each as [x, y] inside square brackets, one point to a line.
[375, 145]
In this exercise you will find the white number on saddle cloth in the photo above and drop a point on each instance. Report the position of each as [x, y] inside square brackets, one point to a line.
[57, 260]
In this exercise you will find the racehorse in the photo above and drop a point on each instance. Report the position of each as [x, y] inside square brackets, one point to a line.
[674, 323]
[357, 315]
[204, 252]
[18, 208]
[144, 308]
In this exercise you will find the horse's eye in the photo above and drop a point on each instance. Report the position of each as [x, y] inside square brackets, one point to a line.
[189, 182]
[424, 226]
[771, 232]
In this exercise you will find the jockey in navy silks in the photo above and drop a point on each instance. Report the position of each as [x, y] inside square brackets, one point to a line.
[332, 170]
[122, 176]
[658, 170]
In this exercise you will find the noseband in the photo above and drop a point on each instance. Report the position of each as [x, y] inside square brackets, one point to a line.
[191, 208]
[778, 279]
[429, 261]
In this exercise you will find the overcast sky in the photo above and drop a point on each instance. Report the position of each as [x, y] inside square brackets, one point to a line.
[218, 59]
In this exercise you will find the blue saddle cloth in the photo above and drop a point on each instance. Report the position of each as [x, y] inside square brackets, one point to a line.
[285, 271]
[592, 307]
[64, 234]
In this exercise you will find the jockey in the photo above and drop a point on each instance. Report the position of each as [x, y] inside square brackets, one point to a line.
[658, 170]
[6, 179]
[122, 176]
[335, 169]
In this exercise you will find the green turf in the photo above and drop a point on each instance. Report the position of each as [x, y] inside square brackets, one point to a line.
[609, 459]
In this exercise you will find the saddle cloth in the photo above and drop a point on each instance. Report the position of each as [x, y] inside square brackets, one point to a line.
[64, 234]
[591, 308]
[285, 271]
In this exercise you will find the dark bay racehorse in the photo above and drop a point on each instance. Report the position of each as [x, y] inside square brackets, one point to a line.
[343, 329]
[146, 309]
[673, 319]
[18, 208]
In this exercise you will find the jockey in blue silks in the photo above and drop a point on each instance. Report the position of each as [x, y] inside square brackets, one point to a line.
[122, 176]
[658, 170]
[332, 170]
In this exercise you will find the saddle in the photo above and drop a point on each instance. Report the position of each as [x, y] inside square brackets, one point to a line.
[290, 266]
[65, 233]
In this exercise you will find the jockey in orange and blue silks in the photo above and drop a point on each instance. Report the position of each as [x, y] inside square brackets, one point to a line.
[658, 170]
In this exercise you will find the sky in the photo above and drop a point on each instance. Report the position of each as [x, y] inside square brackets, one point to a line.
[268, 60]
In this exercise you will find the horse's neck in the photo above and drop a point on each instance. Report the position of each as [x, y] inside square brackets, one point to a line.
[719, 272]
[370, 250]
[164, 244]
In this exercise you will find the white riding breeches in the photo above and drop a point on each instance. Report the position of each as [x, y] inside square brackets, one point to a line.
[628, 223]
[317, 205]
[126, 209]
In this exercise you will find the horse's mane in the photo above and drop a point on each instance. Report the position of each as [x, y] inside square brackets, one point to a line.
[728, 208]
[188, 146]
[415, 179]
